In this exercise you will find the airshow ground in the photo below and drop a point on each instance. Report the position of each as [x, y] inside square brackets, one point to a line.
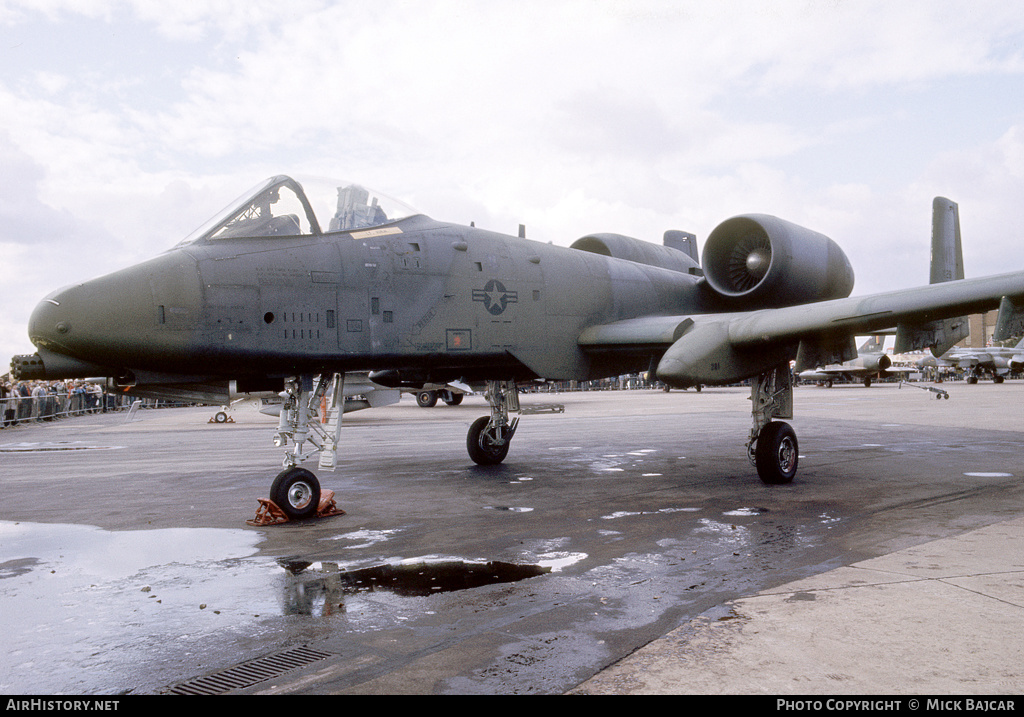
[624, 546]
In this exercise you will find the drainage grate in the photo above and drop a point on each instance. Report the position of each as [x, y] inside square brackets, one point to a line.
[250, 673]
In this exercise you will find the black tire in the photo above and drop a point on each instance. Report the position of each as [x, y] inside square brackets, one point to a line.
[776, 454]
[221, 417]
[426, 399]
[481, 445]
[296, 491]
[453, 399]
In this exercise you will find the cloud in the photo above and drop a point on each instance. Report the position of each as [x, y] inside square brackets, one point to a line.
[570, 116]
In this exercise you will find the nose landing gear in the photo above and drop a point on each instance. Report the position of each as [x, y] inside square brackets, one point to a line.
[295, 493]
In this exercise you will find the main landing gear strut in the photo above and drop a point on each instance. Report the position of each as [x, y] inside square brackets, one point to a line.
[772, 446]
[489, 436]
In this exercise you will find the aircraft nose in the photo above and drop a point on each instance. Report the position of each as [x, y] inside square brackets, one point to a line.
[48, 325]
[107, 321]
[83, 320]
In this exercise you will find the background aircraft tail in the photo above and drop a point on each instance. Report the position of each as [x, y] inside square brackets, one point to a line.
[873, 345]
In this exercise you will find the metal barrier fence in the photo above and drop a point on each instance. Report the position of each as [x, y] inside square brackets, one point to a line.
[50, 406]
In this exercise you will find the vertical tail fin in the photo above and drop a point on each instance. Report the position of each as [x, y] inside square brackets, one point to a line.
[947, 264]
[947, 261]
[874, 344]
[683, 241]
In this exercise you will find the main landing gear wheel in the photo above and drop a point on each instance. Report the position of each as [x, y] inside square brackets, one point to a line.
[486, 448]
[296, 491]
[426, 399]
[776, 453]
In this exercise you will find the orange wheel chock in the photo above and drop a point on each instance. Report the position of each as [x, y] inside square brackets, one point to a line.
[270, 514]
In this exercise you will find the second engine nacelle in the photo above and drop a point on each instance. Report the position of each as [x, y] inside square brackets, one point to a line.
[761, 261]
[641, 252]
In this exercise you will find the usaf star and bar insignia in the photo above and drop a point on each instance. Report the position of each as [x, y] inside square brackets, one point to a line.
[495, 297]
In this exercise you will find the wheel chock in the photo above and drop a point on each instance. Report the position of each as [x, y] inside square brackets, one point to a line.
[270, 514]
[221, 418]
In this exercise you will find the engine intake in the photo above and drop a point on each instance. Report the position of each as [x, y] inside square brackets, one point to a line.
[761, 260]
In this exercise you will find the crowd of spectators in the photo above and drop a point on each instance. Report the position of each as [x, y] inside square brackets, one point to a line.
[47, 400]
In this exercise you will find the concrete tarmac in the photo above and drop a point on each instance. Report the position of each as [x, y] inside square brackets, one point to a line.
[625, 546]
[942, 618]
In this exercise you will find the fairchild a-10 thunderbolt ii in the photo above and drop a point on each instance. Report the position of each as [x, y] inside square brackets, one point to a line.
[293, 286]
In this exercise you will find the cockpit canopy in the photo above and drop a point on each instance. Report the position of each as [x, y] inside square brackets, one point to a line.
[281, 206]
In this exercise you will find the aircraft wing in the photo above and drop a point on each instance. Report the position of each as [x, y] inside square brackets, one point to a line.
[728, 347]
[908, 309]
[839, 371]
[900, 369]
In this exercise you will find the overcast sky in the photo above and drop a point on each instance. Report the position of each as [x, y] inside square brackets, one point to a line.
[124, 125]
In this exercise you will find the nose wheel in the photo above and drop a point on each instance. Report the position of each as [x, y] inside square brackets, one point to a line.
[295, 495]
[296, 491]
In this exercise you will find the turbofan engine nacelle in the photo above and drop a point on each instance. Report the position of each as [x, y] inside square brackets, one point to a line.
[875, 363]
[757, 260]
[618, 246]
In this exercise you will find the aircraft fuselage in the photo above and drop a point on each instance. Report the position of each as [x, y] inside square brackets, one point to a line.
[413, 295]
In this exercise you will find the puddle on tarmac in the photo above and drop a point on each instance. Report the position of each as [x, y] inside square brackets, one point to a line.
[746, 511]
[85, 609]
[47, 446]
[407, 578]
[660, 511]
[365, 538]
[88, 610]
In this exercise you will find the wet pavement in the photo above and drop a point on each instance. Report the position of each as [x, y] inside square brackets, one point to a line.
[126, 565]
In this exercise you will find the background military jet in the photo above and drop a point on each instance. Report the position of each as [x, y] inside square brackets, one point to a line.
[997, 361]
[871, 362]
[296, 284]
